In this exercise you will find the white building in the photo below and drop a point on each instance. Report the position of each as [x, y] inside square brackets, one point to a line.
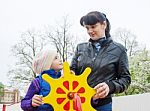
[10, 96]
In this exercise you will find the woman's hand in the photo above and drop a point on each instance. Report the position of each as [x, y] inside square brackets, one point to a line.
[37, 100]
[102, 90]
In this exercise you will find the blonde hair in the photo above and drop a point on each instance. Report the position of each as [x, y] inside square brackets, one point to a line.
[43, 60]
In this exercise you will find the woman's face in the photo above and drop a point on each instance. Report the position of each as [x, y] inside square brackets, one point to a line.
[57, 64]
[96, 31]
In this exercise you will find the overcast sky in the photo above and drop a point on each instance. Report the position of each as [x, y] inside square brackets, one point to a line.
[17, 16]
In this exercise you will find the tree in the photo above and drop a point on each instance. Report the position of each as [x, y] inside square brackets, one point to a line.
[140, 71]
[1, 90]
[62, 39]
[32, 42]
[24, 51]
[139, 62]
[128, 39]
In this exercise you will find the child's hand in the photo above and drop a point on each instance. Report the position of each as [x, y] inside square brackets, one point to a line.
[37, 100]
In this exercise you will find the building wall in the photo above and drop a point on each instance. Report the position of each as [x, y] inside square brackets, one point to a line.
[10, 96]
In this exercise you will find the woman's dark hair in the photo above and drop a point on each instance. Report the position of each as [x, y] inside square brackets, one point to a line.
[94, 17]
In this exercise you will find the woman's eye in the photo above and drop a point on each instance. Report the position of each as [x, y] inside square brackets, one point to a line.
[87, 28]
[93, 26]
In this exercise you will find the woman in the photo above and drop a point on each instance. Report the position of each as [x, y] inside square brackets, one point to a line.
[107, 59]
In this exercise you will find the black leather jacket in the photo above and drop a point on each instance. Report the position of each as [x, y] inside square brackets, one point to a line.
[110, 65]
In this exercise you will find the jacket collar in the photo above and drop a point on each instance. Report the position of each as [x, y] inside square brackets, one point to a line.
[102, 41]
[52, 73]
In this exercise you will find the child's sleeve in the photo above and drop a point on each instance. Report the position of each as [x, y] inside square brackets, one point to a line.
[26, 102]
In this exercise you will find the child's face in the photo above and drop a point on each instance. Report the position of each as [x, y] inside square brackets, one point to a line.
[57, 64]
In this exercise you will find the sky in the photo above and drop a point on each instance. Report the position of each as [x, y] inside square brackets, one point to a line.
[18, 16]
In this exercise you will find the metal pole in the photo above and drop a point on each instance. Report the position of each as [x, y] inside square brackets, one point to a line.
[4, 107]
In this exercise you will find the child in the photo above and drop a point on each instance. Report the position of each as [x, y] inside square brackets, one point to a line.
[46, 61]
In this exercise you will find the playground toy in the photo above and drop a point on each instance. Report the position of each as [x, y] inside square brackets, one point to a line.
[68, 91]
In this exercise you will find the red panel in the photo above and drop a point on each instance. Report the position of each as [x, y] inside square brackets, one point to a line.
[67, 106]
[60, 91]
[81, 90]
[66, 84]
[60, 100]
[74, 84]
